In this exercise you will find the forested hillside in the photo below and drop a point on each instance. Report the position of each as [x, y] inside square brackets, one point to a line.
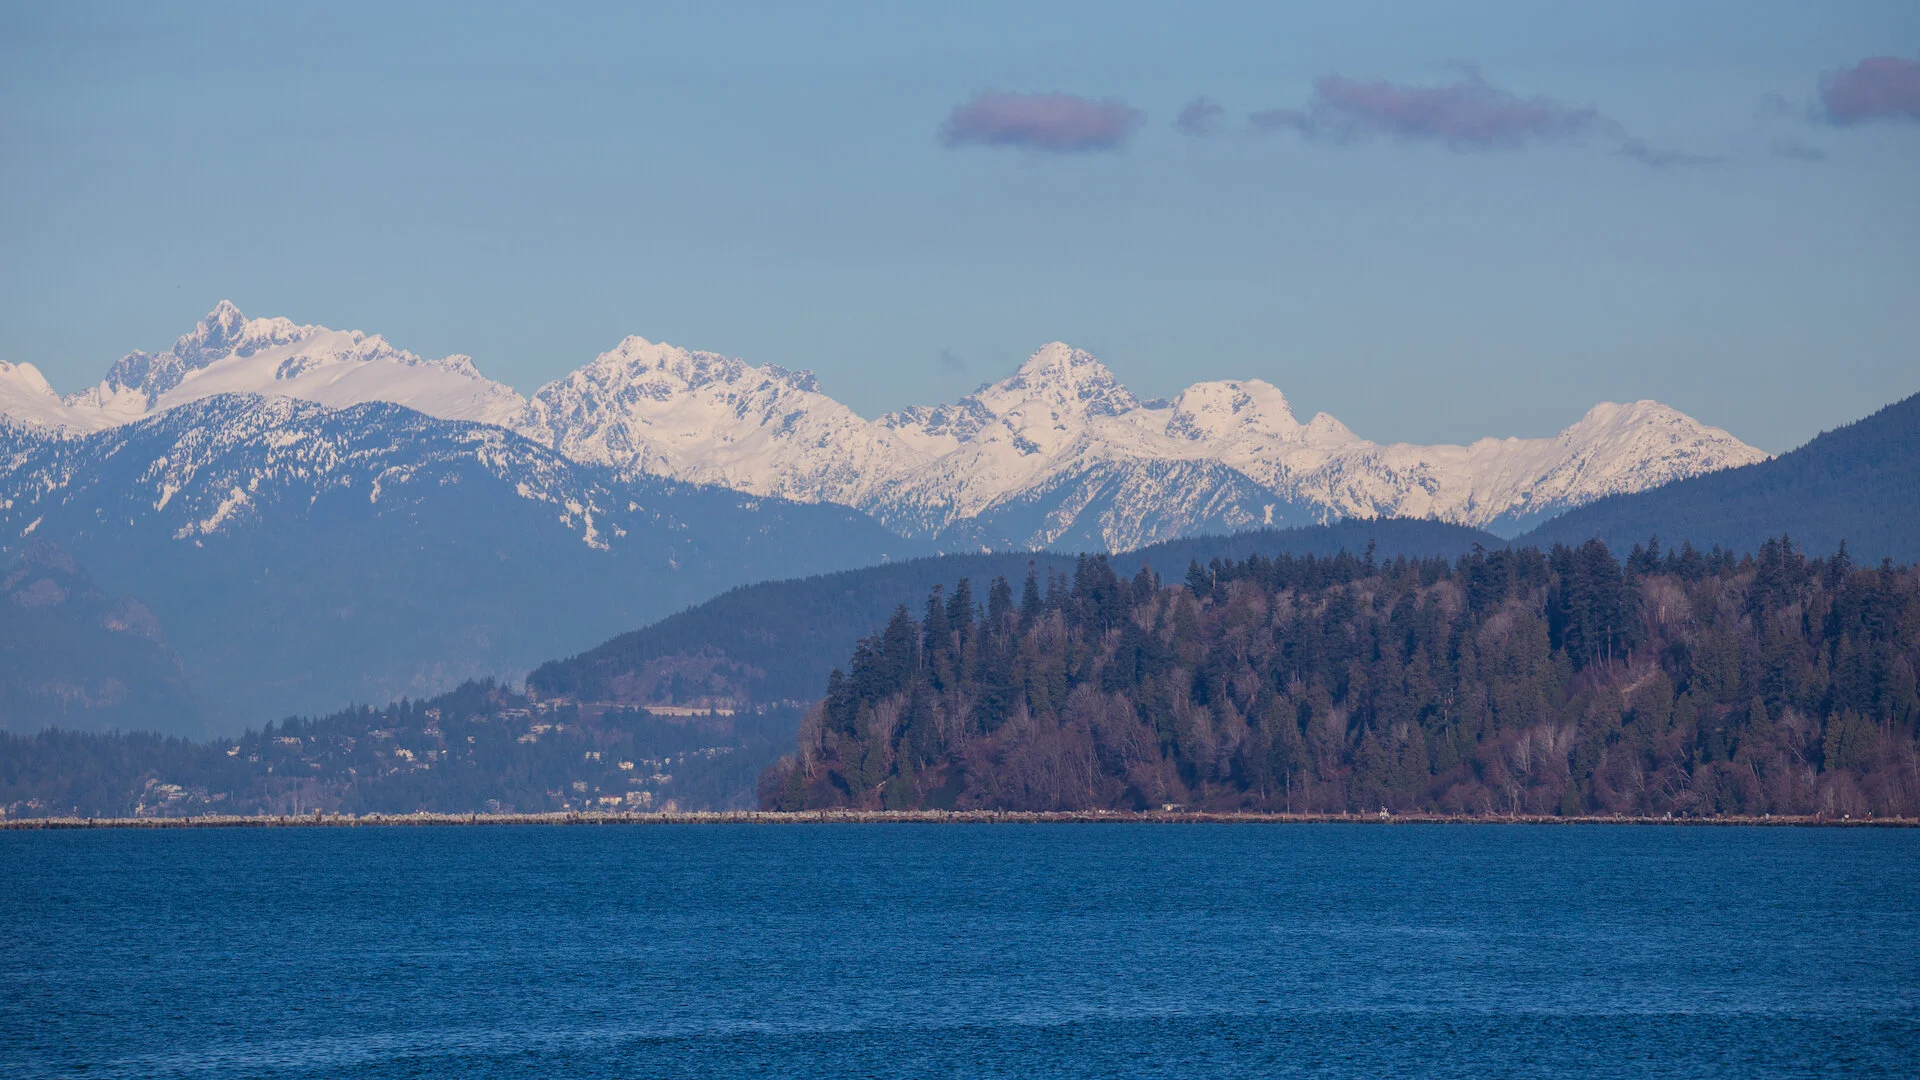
[778, 640]
[1502, 682]
[303, 558]
[1856, 483]
[480, 748]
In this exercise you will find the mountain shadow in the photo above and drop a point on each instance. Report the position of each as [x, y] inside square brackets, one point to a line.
[73, 657]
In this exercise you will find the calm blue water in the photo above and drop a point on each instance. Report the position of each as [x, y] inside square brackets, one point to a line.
[917, 951]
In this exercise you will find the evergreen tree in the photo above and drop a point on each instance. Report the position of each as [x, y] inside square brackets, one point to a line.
[1513, 681]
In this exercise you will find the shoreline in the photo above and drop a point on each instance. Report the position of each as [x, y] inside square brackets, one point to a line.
[887, 817]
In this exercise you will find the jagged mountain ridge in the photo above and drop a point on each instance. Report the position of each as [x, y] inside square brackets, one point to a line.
[1020, 461]
[710, 419]
[1059, 452]
[222, 462]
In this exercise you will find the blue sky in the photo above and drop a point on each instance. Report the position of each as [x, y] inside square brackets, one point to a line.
[828, 189]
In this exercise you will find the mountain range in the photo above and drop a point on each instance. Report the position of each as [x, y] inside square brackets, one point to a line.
[303, 557]
[318, 517]
[1058, 454]
[777, 640]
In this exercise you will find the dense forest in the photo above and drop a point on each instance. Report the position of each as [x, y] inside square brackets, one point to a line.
[558, 747]
[777, 640]
[1505, 682]
[480, 748]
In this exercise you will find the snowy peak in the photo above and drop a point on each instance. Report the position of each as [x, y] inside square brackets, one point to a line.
[671, 369]
[228, 353]
[1324, 428]
[1061, 382]
[1615, 449]
[1062, 430]
[223, 332]
[226, 331]
[1610, 419]
[1047, 405]
[656, 408]
[1233, 410]
[26, 398]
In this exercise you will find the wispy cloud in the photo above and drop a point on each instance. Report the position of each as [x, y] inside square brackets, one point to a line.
[1048, 123]
[948, 360]
[1795, 150]
[1466, 115]
[1469, 114]
[1877, 88]
[1661, 157]
[1201, 116]
[1782, 123]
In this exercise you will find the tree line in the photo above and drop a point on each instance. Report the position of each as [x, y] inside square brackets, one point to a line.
[1523, 681]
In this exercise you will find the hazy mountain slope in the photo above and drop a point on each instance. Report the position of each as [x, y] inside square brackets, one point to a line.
[779, 639]
[303, 557]
[1859, 483]
[73, 657]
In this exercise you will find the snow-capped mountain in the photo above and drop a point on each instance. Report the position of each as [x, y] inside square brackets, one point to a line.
[304, 557]
[221, 463]
[228, 353]
[710, 419]
[1057, 453]
[25, 397]
[1061, 453]
[318, 516]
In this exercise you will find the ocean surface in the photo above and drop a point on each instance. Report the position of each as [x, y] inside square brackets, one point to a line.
[941, 950]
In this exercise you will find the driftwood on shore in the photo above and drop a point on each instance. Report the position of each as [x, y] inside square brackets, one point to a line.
[953, 817]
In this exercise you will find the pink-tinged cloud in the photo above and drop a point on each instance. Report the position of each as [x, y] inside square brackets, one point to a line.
[1877, 88]
[1052, 123]
[1199, 117]
[1466, 115]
